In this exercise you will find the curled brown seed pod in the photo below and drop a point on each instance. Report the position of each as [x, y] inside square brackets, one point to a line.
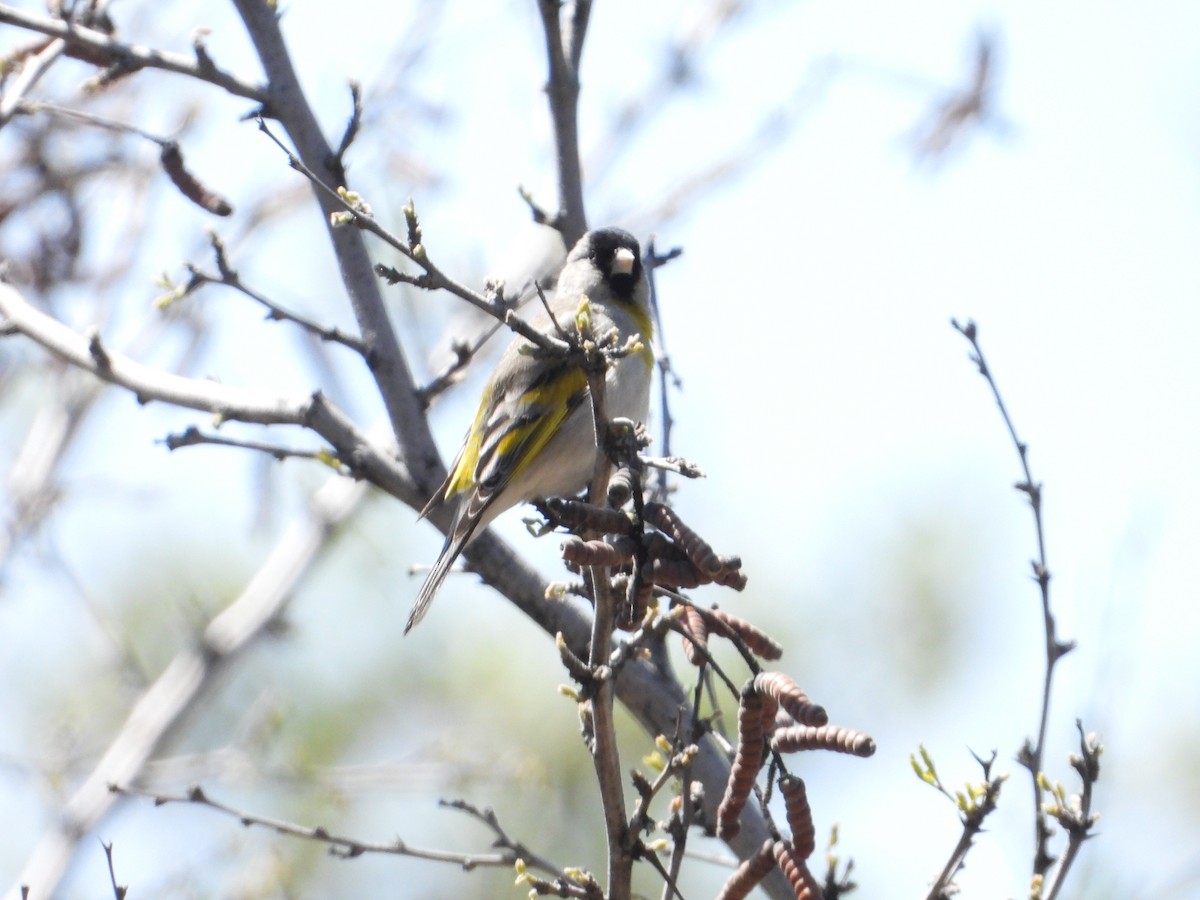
[746, 762]
[621, 486]
[729, 577]
[697, 549]
[796, 871]
[659, 546]
[796, 737]
[799, 815]
[755, 639]
[747, 876]
[791, 698]
[695, 635]
[575, 515]
[678, 573]
[598, 553]
[632, 613]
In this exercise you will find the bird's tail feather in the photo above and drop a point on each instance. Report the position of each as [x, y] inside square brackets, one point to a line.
[455, 542]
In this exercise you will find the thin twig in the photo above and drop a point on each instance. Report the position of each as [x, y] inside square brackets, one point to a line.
[564, 49]
[160, 709]
[228, 402]
[605, 756]
[667, 378]
[352, 124]
[119, 891]
[463, 354]
[388, 365]
[229, 278]
[1075, 814]
[32, 70]
[194, 437]
[488, 817]
[974, 806]
[339, 845]
[131, 56]
[359, 214]
[1032, 754]
[32, 107]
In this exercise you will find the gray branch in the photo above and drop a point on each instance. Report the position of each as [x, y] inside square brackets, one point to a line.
[161, 709]
[132, 56]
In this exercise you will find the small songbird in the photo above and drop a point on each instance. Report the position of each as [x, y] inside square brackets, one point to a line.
[533, 436]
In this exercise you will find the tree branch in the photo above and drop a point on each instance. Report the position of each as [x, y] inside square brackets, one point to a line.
[1032, 755]
[564, 49]
[131, 56]
[288, 105]
[226, 401]
[160, 710]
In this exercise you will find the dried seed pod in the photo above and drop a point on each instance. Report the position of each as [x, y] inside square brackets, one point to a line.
[729, 577]
[756, 640]
[598, 553]
[796, 871]
[621, 487]
[632, 612]
[747, 876]
[791, 698]
[799, 815]
[575, 515]
[678, 573]
[746, 762]
[695, 635]
[795, 737]
[697, 549]
[659, 546]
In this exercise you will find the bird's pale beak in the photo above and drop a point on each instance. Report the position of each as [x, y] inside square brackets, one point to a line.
[623, 261]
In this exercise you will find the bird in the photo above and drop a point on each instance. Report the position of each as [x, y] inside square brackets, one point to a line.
[533, 435]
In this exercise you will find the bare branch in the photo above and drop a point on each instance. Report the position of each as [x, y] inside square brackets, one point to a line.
[119, 892]
[667, 378]
[354, 211]
[564, 49]
[194, 437]
[519, 850]
[131, 57]
[339, 845]
[229, 277]
[33, 69]
[226, 401]
[159, 710]
[352, 124]
[463, 354]
[1074, 814]
[390, 369]
[1032, 754]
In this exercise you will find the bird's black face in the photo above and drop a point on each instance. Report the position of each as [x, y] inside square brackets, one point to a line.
[618, 256]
